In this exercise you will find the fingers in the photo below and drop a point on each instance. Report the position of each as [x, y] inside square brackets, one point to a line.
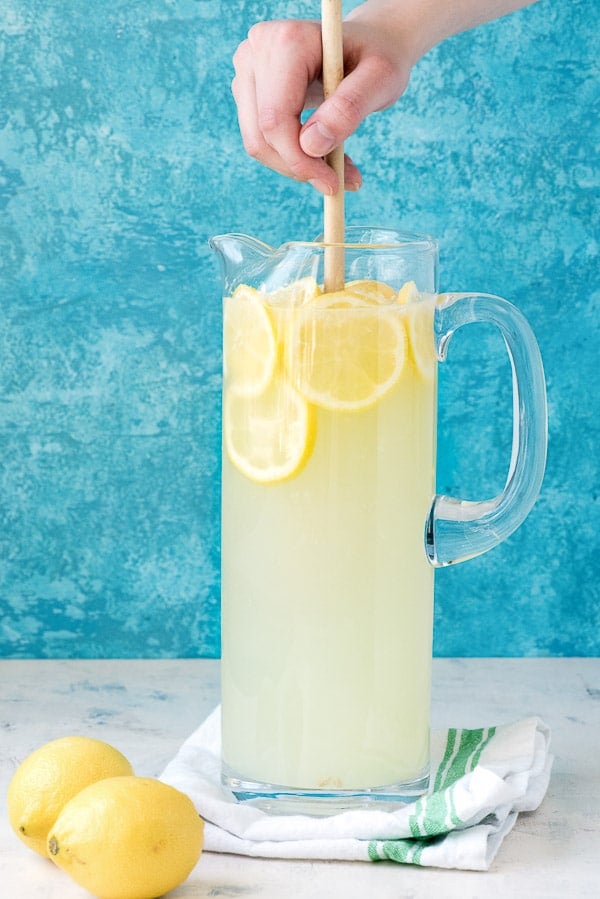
[335, 120]
[372, 85]
[282, 76]
[352, 175]
[277, 76]
[275, 68]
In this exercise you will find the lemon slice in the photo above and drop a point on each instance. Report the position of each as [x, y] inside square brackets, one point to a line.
[249, 342]
[295, 294]
[343, 354]
[407, 293]
[369, 293]
[270, 436]
[283, 302]
[421, 338]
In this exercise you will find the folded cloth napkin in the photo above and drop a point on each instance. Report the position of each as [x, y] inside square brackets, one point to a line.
[480, 781]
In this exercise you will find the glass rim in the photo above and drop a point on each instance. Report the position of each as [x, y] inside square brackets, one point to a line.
[392, 239]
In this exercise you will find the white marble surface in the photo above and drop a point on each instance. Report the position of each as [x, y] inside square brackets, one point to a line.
[147, 708]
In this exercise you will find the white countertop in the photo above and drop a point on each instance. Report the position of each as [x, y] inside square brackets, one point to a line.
[147, 708]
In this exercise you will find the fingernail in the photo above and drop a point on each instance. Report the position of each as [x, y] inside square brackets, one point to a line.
[317, 140]
[353, 185]
[321, 186]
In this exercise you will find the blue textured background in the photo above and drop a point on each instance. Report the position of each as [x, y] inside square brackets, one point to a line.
[119, 157]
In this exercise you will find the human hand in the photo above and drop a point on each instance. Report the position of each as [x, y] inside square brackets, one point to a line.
[278, 76]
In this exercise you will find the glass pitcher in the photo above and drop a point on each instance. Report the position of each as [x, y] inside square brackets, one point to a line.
[331, 529]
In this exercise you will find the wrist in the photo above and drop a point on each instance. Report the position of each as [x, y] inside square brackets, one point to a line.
[418, 25]
[413, 26]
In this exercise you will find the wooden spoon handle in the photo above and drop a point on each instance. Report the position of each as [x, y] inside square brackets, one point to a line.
[333, 211]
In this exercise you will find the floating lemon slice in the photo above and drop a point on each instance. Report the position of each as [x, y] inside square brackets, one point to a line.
[419, 325]
[270, 436]
[368, 293]
[345, 354]
[371, 292]
[249, 342]
[295, 294]
[283, 302]
[421, 336]
[407, 293]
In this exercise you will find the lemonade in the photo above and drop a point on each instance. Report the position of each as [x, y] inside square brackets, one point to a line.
[328, 476]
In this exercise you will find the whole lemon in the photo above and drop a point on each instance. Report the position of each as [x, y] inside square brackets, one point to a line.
[127, 838]
[46, 780]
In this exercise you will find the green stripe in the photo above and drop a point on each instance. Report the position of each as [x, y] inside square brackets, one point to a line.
[450, 744]
[372, 851]
[413, 821]
[433, 822]
[404, 852]
[476, 757]
[434, 815]
[470, 741]
[456, 821]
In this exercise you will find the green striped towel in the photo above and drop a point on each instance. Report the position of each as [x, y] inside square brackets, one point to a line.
[481, 779]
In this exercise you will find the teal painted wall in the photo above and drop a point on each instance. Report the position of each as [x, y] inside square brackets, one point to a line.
[119, 157]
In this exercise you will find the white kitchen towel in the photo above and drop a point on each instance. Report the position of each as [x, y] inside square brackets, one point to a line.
[481, 779]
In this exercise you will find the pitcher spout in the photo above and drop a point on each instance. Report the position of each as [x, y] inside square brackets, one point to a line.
[243, 258]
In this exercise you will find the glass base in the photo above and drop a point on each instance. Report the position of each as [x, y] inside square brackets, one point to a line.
[279, 800]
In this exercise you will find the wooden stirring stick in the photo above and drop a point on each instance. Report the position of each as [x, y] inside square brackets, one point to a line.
[333, 72]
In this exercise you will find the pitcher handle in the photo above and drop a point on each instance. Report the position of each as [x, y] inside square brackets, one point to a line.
[457, 530]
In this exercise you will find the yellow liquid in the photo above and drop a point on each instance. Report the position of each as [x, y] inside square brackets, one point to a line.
[327, 602]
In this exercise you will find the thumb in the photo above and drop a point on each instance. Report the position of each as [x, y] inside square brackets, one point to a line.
[370, 87]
